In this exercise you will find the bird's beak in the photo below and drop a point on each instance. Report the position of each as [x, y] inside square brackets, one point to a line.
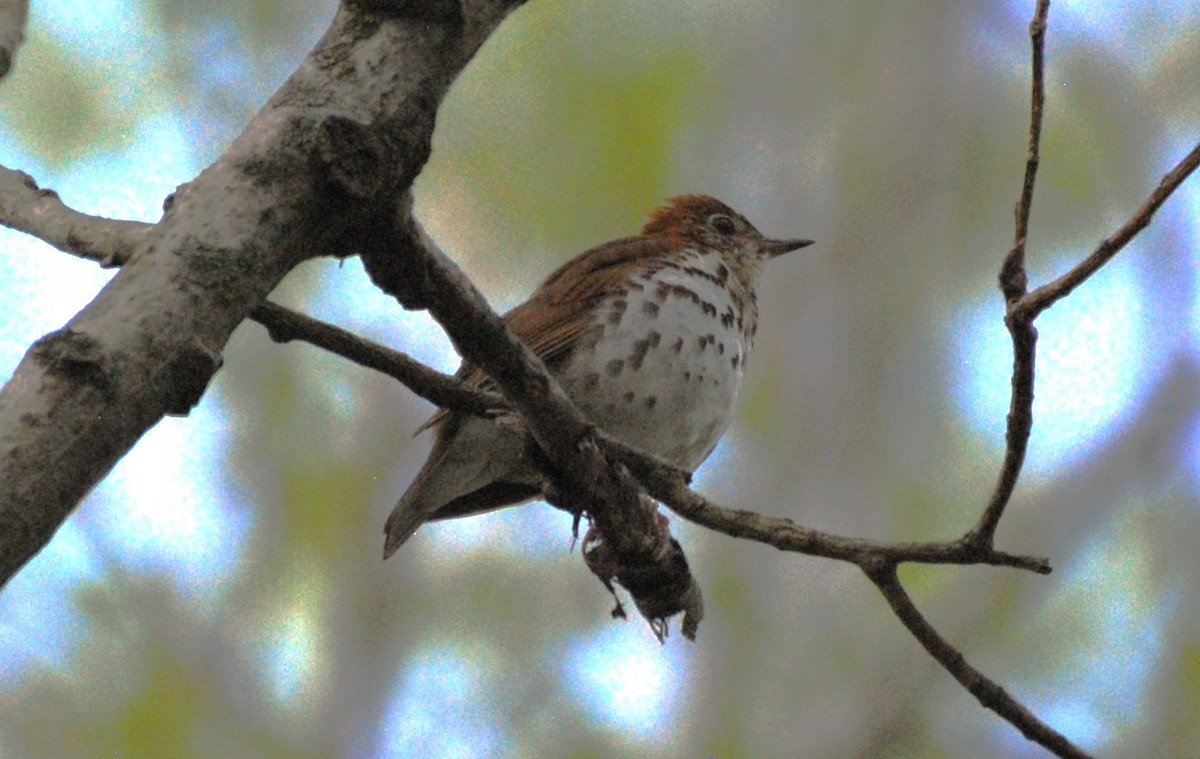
[775, 248]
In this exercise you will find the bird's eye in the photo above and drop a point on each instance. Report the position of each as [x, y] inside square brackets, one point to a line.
[722, 223]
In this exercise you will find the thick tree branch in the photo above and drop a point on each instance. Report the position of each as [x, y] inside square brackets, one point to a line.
[346, 132]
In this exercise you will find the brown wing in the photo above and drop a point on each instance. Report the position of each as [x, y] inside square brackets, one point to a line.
[552, 320]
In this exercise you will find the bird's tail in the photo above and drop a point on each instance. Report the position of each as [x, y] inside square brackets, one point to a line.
[402, 523]
[470, 455]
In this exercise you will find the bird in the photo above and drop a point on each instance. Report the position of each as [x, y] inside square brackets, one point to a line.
[648, 335]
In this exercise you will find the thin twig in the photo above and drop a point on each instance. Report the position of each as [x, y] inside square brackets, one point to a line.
[1019, 320]
[1013, 284]
[991, 695]
[786, 535]
[1050, 293]
[445, 391]
[1015, 265]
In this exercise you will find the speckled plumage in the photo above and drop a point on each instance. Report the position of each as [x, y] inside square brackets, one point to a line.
[649, 335]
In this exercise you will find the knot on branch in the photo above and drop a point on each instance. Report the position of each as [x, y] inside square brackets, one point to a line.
[31, 183]
[80, 359]
[1014, 282]
[192, 368]
[350, 154]
[396, 261]
[74, 357]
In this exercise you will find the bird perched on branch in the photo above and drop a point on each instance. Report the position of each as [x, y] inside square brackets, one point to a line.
[648, 335]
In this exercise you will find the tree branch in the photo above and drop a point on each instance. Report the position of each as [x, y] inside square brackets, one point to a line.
[348, 130]
[1047, 295]
[285, 325]
[1012, 277]
[1023, 307]
[788, 536]
[658, 600]
[1021, 313]
[41, 213]
[28, 208]
[81, 235]
[991, 695]
[1013, 285]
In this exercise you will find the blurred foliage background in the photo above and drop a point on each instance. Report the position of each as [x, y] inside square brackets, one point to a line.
[220, 594]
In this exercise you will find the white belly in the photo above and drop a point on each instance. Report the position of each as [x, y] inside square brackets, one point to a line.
[662, 367]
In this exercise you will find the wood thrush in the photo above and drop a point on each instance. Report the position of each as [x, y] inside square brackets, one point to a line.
[648, 335]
